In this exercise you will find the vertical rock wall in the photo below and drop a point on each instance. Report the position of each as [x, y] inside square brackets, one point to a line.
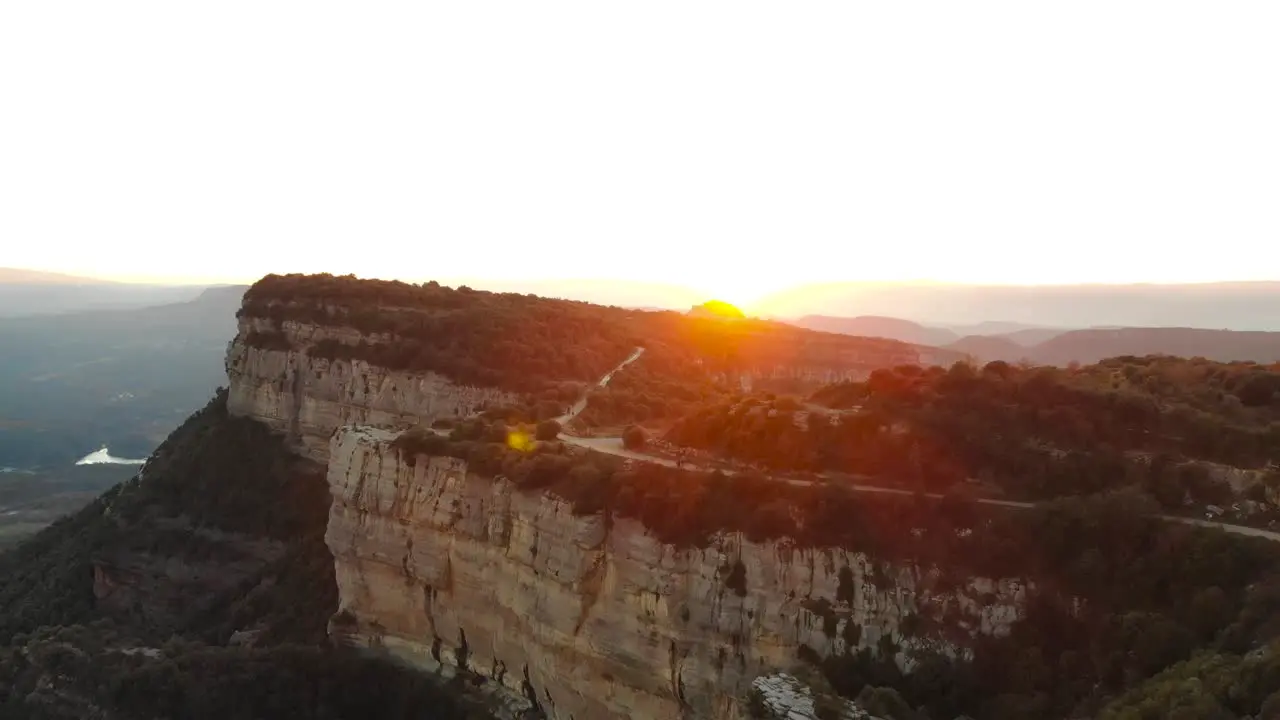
[307, 398]
[595, 619]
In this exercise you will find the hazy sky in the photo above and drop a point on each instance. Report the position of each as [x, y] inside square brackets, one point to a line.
[735, 147]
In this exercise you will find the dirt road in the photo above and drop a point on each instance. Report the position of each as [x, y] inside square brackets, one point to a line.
[581, 405]
[613, 446]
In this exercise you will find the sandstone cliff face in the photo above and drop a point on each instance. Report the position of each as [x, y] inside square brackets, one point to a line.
[589, 618]
[307, 398]
[813, 376]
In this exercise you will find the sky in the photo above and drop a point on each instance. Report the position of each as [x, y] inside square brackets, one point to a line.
[735, 148]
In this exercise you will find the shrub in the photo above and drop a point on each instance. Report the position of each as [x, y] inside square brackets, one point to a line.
[634, 438]
[547, 430]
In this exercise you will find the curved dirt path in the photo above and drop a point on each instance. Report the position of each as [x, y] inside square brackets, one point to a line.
[577, 408]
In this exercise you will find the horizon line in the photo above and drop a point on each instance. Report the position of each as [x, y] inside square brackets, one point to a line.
[206, 281]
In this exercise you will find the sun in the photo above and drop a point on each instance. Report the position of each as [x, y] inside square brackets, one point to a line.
[740, 297]
[748, 288]
[717, 309]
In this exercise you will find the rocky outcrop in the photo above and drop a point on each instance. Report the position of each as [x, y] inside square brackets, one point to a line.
[590, 617]
[281, 384]
[784, 697]
[813, 376]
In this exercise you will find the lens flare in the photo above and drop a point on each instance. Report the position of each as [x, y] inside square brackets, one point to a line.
[522, 441]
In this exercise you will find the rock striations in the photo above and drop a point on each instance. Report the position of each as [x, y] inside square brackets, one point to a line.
[593, 618]
[307, 397]
[574, 615]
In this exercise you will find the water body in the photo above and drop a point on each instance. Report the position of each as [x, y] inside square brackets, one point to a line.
[102, 457]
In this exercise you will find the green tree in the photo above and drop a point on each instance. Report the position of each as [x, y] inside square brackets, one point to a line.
[885, 702]
[547, 430]
[634, 438]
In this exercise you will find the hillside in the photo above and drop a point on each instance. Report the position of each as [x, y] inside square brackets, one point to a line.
[128, 609]
[318, 518]
[986, 348]
[1032, 336]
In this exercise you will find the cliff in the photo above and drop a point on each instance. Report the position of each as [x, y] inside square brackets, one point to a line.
[306, 398]
[591, 616]
[579, 613]
[585, 585]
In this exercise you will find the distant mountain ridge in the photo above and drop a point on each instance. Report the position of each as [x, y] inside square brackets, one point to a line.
[1232, 305]
[1089, 346]
[35, 292]
[1055, 346]
[880, 326]
[20, 275]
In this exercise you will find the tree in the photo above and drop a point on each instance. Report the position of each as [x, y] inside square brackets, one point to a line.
[885, 702]
[1211, 610]
[634, 438]
[1259, 390]
[547, 430]
[999, 368]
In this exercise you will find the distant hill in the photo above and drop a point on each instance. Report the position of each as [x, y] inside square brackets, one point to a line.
[1089, 346]
[1238, 305]
[124, 378]
[1018, 333]
[1096, 344]
[879, 326]
[986, 348]
[1032, 336]
[955, 337]
[34, 292]
[993, 327]
[1056, 346]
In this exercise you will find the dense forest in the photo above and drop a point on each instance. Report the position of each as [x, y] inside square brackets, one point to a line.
[527, 343]
[642, 394]
[1155, 594]
[1031, 432]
